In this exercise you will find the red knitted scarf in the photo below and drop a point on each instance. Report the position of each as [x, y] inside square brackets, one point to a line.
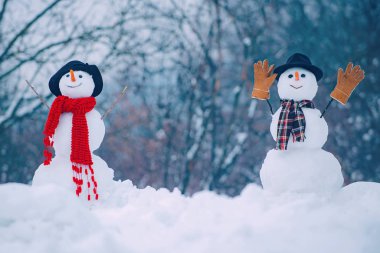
[80, 149]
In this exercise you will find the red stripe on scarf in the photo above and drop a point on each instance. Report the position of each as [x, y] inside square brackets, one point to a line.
[80, 147]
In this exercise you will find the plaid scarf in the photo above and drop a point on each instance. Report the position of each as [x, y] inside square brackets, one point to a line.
[81, 159]
[291, 120]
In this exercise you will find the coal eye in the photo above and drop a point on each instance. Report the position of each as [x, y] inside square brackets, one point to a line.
[303, 75]
[80, 76]
[290, 76]
[67, 75]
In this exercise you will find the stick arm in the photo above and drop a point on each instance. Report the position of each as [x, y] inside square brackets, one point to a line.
[117, 100]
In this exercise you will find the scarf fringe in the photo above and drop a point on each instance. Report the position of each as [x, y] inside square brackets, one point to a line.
[78, 170]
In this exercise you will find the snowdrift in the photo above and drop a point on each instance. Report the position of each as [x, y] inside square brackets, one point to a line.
[52, 219]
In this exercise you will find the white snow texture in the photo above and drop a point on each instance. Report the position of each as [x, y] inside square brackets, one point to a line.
[52, 219]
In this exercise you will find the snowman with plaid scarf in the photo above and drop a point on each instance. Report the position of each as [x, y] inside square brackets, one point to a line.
[298, 163]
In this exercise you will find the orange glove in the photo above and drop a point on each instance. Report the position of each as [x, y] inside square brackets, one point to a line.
[263, 80]
[347, 82]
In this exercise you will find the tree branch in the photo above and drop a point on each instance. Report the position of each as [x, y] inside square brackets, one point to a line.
[3, 8]
[26, 28]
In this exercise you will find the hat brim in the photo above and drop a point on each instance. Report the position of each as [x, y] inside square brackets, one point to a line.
[315, 70]
[77, 65]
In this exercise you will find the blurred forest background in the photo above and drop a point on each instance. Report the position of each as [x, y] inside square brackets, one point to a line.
[187, 120]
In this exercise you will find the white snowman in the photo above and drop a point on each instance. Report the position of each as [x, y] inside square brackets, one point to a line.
[76, 84]
[298, 163]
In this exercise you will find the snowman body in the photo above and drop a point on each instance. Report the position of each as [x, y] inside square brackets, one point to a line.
[304, 166]
[316, 130]
[62, 136]
[59, 171]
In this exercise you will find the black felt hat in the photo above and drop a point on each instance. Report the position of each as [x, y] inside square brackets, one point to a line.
[301, 61]
[77, 65]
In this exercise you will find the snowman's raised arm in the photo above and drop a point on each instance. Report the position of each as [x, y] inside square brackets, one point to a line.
[263, 80]
[347, 81]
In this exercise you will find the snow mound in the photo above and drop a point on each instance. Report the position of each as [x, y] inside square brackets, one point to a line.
[52, 219]
[301, 170]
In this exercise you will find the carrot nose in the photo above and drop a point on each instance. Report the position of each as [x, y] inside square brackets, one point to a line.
[297, 76]
[72, 75]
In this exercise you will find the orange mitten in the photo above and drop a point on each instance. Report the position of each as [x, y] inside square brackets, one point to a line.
[347, 82]
[263, 80]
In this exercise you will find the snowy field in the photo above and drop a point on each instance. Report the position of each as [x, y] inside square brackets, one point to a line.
[52, 219]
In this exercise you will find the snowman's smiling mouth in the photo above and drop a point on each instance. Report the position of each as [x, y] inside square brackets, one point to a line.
[74, 86]
[296, 87]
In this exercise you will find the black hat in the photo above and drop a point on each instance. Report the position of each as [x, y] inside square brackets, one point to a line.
[299, 60]
[77, 65]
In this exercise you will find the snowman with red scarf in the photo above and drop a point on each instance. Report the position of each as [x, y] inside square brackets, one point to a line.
[298, 163]
[75, 129]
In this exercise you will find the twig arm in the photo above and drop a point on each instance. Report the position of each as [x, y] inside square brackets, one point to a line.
[270, 106]
[115, 102]
[38, 95]
[327, 107]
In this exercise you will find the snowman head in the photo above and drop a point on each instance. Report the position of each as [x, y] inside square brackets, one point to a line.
[76, 80]
[297, 79]
[76, 84]
[297, 84]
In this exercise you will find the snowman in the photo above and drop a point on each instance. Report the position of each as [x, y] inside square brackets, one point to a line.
[298, 163]
[75, 130]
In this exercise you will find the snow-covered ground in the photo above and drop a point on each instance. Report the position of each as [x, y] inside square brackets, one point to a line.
[52, 219]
